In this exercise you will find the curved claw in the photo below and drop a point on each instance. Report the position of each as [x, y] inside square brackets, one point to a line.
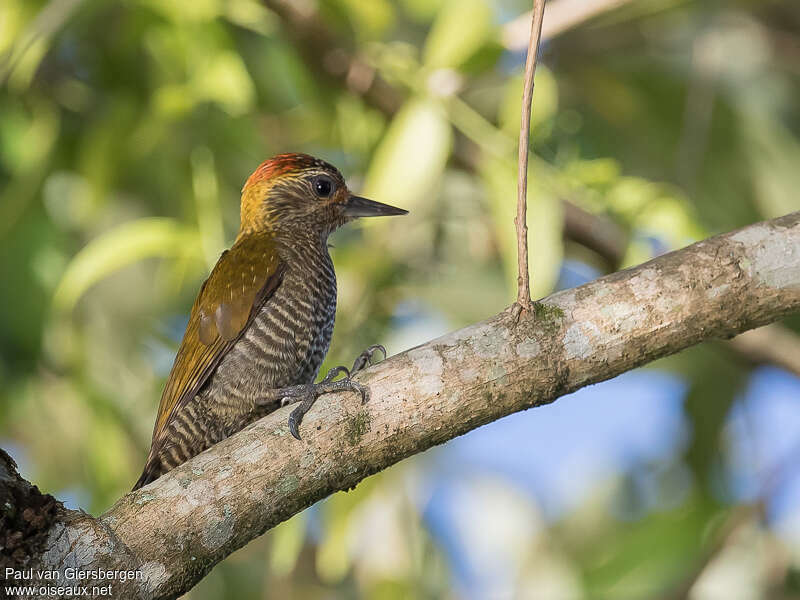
[334, 372]
[363, 391]
[375, 347]
[364, 359]
[356, 387]
[308, 394]
[295, 418]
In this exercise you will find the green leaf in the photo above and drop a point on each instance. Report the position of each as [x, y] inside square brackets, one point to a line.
[333, 559]
[774, 160]
[122, 246]
[369, 19]
[226, 81]
[412, 156]
[287, 542]
[252, 15]
[422, 11]
[460, 29]
[655, 210]
[27, 137]
[187, 11]
[206, 195]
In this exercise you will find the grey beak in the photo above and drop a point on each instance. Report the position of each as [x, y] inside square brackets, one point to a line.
[361, 207]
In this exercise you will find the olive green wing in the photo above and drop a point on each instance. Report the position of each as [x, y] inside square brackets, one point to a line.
[243, 279]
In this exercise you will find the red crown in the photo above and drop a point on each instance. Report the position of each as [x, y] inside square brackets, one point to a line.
[283, 164]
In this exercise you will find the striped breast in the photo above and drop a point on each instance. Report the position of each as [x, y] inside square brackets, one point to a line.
[287, 341]
[284, 345]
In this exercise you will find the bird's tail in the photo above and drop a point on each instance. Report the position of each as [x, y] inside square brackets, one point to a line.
[144, 479]
[153, 469]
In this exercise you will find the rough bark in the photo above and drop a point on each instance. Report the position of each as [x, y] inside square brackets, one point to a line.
[26, 516]
[177, 528]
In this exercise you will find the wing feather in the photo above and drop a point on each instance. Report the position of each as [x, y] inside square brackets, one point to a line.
[244, 278]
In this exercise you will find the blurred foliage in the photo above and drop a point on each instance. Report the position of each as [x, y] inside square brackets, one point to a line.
[127, 129]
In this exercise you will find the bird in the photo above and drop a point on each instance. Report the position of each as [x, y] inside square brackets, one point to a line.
[262, 322]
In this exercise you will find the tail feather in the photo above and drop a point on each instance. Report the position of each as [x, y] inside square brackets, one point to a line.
[152, 471]
[144, 479]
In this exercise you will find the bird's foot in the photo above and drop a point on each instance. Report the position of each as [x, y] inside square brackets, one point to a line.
[364, 359]
[307, 394]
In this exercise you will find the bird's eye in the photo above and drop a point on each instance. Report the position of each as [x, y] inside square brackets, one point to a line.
[323, 186]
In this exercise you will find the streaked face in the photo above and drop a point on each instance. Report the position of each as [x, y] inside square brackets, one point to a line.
[297, 193]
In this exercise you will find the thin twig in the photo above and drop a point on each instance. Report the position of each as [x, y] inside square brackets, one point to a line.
[523, 277]
[562, 15]
[324, 54]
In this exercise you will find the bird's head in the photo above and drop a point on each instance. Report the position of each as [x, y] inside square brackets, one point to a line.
[293, 194]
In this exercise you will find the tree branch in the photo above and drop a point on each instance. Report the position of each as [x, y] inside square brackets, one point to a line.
[177, 528]
[599, 234]
[771, 345]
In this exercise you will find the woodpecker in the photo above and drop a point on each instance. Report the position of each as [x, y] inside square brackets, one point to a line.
[262, 321]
